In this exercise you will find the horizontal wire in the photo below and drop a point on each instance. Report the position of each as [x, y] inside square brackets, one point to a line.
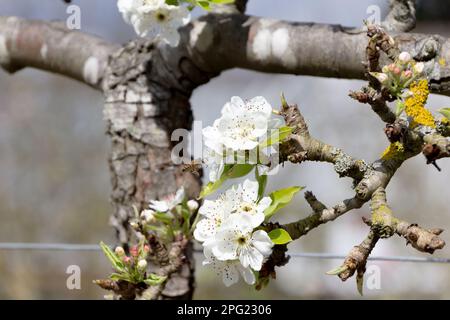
[311, 255]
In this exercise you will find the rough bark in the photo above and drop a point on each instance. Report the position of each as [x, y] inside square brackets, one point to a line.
[147, 90]
[51, 46]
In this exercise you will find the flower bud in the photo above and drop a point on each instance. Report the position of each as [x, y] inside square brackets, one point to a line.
[134, 225]
[385, 69]
[407, 73]
[119, 251]
[134, 251]
[126, 259]
[381, 77]
[148, 216]
[418, 67]
[397, 71]
[192, 205]
[142, 264]
[404, 57]
[146, 248]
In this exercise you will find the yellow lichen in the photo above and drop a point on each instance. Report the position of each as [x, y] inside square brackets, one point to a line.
[442, 62]
[393, 151]
[415, 104]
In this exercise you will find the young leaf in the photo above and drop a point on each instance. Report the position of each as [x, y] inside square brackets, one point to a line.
[154, 279]
[204, 5]
[445, 112]
[172, 2]
[113, 258]
[279, 236]
[277, 136]
[262, 182]
[222, 1]
[280, 199]
[360, 283]
[230, 171]
[399, 107]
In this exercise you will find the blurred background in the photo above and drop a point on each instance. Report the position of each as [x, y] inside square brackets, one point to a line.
[54, 180]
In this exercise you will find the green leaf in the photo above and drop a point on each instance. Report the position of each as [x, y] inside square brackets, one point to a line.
[445, 112]
[360, 283]
[399, 107]
[280, 199]
[163, 217]
[338, 270]
[172, 2]
[113, 258]
[120, 276]
[279, 236]
[222, 1]
[204, 5]
[262, 182]
[230, 171]
[277, 136]
[154, 279]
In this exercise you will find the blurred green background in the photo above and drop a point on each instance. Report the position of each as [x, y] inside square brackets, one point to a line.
[54, 182]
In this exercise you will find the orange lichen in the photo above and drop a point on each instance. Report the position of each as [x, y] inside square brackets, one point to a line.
[415, 105]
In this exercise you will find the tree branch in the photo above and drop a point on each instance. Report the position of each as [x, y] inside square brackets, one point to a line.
[51, 46]
[220, 42]
[401, 17]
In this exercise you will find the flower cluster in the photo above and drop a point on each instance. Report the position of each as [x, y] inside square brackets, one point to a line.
[400, 74]
[131, 268]
[236, 133]
[155, 18]
[229, 230]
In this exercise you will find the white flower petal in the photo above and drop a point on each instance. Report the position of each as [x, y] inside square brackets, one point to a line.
[250, 190]
[160, 206]
[248, 275]
[251, 257]
[263, 204]
[262, 242]
[205, 229]
[259, 104]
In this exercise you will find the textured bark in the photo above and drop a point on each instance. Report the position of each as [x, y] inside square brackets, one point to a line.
[147, 91]
[51, 46]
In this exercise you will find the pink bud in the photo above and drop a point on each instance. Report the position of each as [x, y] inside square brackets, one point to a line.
[146, 248]
[397, 70]
[392, 67]
[134, 251]
[126, 259]
[407, 74]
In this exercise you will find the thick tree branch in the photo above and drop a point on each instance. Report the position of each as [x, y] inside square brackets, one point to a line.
[401, 17]
[219, 42]
[51, 46]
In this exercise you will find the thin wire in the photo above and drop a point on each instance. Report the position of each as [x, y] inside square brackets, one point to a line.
[310, 255]
[48, 246]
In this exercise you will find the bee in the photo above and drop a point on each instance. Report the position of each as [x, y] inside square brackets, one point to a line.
[194, 167]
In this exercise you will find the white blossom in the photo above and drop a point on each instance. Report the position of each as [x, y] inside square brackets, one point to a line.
[155, 18]
[240, 128]
[214, 214]
[236, 240]
[168, 203]
[241, 200]
[230, 270]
